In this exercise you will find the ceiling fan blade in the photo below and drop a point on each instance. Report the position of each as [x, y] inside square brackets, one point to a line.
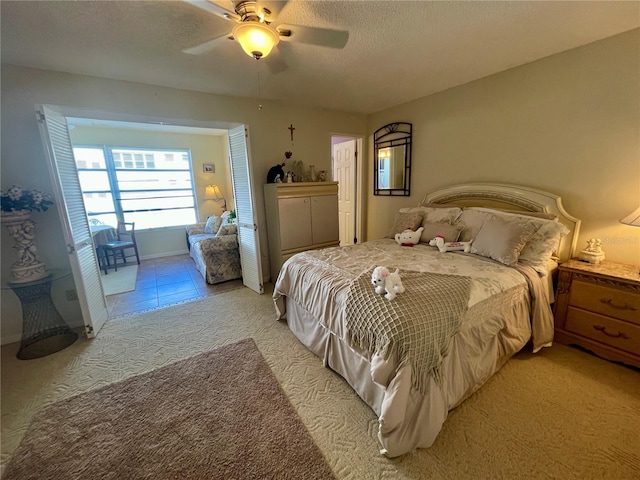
[206, 46]
[323, 37]
[275, 62]
[216, 8]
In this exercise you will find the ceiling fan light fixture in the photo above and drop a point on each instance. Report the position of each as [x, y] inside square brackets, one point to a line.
[257, 39]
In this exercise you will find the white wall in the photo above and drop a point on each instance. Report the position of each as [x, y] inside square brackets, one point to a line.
[23, 160]
[568, 124]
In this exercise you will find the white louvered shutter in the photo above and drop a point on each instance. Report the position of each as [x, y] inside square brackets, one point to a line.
[73, 217]
[248, 237]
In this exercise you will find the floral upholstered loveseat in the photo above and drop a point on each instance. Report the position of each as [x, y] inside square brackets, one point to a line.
[213, 245]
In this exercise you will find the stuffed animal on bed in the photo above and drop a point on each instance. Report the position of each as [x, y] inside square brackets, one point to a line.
[409, 238]
[450, 246]
[387, 282]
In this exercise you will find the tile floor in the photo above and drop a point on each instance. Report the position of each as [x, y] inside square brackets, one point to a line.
[163, 282]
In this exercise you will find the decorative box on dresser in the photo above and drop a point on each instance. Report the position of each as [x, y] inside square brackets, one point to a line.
[598, 307]
[300, 216]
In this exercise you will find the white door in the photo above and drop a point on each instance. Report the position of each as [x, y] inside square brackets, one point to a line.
[248, 237]
[73, 217]
[344, 172]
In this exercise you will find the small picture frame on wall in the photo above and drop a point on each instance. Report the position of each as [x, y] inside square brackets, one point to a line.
[208, 168]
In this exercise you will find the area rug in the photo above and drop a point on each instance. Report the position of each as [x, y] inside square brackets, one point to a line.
[124, 280]
[218, 415]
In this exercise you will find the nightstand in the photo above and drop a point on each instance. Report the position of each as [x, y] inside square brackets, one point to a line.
[598, 307]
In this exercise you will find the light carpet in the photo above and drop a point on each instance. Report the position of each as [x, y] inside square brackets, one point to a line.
[561, 413]
[124, 280]
[218, 415]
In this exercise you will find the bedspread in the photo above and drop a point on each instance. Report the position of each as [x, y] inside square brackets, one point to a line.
[415, 327]
[495, 325]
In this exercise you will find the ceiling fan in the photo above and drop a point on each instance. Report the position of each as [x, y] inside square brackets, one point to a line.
[254, 32]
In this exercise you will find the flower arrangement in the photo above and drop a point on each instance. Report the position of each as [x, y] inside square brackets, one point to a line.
[231, 217]
[16, 198]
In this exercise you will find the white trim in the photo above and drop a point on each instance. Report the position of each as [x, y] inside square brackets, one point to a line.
[164, 254]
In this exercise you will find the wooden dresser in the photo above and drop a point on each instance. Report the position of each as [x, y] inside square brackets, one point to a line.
[598, 307]
[300, 216]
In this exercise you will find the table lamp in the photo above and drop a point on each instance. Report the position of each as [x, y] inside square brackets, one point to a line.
[212, 192]
[632, 219]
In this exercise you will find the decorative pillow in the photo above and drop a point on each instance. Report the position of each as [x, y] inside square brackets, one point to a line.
[436, 213]
[213, 224]
[471, 221]
[227, 229]
[544, 242]
[403, 221]
[432, 230]
[542, 245]
[502, 240]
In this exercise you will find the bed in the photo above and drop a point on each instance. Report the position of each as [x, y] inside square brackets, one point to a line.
[461, 317]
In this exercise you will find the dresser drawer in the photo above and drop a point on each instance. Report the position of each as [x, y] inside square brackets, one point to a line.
[606, 300]
[617, 334]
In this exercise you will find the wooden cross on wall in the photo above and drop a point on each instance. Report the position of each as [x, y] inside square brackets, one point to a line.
[292, 128]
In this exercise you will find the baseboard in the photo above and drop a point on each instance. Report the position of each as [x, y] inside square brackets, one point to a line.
[12, 339]
[163, 254]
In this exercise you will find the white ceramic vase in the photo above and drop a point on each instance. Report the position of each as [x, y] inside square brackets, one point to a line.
[29, 267]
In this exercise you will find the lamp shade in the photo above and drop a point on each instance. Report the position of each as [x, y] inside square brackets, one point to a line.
[632, 219]
[256, 38]
[212, 192]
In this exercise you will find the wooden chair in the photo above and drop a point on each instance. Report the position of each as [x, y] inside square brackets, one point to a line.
[126, 240]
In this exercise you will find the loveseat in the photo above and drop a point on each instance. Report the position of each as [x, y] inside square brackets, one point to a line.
[213, 245]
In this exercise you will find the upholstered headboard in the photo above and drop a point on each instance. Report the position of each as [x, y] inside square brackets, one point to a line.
[511, 197]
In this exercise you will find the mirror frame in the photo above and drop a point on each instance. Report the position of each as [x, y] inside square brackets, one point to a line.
[395, 134]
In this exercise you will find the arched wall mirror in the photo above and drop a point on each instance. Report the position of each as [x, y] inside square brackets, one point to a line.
[392, 159]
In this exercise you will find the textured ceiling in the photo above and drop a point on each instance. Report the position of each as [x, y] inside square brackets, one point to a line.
[397, 50]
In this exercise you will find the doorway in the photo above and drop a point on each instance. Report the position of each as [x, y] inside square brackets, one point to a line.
[54, 129]
[347, 171]
[154, 177]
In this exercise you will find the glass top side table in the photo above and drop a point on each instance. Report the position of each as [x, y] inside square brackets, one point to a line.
[44, 331]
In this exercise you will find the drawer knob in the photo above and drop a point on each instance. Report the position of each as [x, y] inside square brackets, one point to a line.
[617, 335]
[609, 301]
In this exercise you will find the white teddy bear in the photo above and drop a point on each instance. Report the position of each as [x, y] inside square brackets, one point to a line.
[387, 282]
[450, 246]
[409, 238]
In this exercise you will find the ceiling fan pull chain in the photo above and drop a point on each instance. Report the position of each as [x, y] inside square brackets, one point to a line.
[259, 92]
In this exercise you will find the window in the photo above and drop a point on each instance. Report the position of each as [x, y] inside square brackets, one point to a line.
[153, 188]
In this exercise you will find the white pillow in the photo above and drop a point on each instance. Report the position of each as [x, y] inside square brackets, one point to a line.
[213, 224]
[471, 221]
[538, 249]
[542, 245]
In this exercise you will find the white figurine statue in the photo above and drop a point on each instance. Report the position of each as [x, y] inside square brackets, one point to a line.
[593, 253]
